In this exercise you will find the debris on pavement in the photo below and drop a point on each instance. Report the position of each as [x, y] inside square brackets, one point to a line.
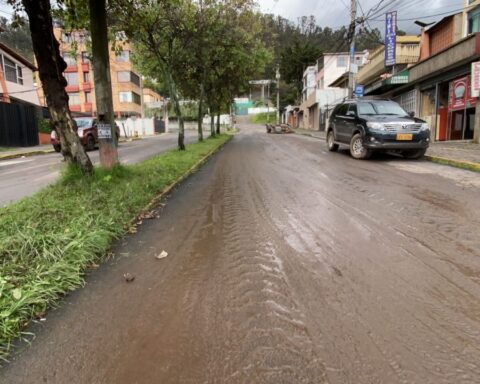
[128, 277]
[280, 128]
[162, 255]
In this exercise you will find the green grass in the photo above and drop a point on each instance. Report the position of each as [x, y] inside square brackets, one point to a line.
[261, 118]
[48, 240]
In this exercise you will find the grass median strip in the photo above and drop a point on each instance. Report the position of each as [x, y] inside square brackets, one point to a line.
[48, 240]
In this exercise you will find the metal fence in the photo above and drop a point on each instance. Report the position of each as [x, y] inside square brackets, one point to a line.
[18, 125]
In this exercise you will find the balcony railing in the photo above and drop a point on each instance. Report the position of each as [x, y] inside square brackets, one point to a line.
[72, 88]
[406, 54]
[86, 86]
[72, 68]
[85, 67]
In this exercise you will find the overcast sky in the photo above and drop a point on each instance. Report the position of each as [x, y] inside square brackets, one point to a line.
[338, 13]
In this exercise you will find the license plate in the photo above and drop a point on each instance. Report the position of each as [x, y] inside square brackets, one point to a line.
[404, 136]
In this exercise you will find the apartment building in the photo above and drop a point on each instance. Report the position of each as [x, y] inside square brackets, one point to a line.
[126, 82]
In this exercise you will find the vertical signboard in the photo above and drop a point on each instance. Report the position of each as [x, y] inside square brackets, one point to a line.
[460, 94]
[476, 79]
[390, 38]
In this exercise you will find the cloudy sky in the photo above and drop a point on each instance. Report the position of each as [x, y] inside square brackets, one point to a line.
[335, 13]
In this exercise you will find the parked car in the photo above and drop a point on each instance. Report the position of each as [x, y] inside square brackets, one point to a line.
[87, 132]
[369, 125]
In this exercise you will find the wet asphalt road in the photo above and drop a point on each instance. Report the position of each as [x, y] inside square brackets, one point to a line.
[24, 176]
[287, 264]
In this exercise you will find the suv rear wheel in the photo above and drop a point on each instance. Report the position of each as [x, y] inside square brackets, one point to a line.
[414, 154]
[332, 146]
[357, 150]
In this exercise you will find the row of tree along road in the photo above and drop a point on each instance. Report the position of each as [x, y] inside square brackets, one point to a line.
[205, 50]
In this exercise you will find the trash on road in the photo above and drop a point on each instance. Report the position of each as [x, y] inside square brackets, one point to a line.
[162, 255]
[128, 277]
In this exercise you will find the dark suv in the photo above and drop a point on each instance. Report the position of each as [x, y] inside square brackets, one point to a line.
[377, 125]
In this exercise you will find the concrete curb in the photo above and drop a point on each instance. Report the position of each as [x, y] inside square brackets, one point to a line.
[165, 191]
[26, 154]
[475, 167]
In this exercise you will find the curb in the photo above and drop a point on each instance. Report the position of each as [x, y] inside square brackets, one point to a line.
[165, 191]
[469, 166]
[26, 154]
[309, 135]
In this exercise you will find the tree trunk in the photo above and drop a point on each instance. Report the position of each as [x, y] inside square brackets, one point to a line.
[218, 123]
[212, 124]
[51, 66]
[103, 84]
[176, 106]
[200, 114]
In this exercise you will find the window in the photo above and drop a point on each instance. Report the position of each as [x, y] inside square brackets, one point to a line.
[13, 72]
[136, 98]
[342, 110]
[125, 97]
[86, 77]
[69, 59]
[123, 56]
[352, 108]
[85, 58]
[72, 78]
[474, 21]
[123, 76]
[134, 78]
[88, 97]
[74, 98]
[341, 61]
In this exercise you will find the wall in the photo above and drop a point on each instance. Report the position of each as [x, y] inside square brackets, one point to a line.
[25, 91]
[143, 127]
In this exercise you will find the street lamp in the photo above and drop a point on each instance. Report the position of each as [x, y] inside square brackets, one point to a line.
[277, 76]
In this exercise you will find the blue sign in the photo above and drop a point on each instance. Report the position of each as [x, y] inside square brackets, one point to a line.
[359, 89]
[390, 38]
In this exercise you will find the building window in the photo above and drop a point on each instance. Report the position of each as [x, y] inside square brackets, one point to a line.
[74, 99]
[86, 77]
[134, 78]
[69, 59]
[123, 76]
[88, 97]
[123, 56]
[72, 78]
[136, 98]
[341, 61]
[129, 97]
[474, 21]
[13, 72]
[85, 58]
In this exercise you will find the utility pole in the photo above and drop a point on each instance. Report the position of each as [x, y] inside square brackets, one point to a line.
[277, 76]
[352, 30]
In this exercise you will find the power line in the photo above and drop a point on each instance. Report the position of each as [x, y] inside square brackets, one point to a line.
[424, 16]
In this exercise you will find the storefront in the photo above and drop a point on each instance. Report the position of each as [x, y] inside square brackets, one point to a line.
[461, 111]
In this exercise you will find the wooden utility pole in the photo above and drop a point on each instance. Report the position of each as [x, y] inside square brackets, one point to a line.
[352, 30]
[103, 84]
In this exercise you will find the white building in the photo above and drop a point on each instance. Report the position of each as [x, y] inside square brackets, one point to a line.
[16, 77]
[309, 82]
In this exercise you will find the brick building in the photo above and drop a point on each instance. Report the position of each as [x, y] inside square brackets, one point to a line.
[126, 82]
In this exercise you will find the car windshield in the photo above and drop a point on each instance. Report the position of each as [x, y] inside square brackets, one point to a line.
[84, 123]
[381, 108]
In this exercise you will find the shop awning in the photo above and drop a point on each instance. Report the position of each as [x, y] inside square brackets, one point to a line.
[383, 86]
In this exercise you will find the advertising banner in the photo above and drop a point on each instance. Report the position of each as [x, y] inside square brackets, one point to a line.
[460, 94]
[390, 38]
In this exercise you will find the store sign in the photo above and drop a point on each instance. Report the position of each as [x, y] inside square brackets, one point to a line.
[390, 38]
[104, 131]
[460, 94]
[359, 90]
[476, 79]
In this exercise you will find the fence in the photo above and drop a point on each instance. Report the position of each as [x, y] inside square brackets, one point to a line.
[18, 125]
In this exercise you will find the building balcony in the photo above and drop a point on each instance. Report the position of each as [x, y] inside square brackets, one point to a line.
[71, 68]
[88, 107]
[75, 108]
[85, 67]
[72, 88]
[407, 53]
[86, 86]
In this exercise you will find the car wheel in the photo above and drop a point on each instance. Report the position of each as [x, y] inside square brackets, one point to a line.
[90, 143]
[414, 154]
[357, 149]
[57, 148]
[332, 146]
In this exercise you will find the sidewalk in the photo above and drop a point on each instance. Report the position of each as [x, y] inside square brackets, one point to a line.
[12, 153]
[460, 154]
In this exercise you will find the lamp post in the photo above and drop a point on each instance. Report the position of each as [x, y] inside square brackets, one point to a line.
[277, 76]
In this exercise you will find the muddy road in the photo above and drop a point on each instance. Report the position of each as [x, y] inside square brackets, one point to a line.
[287, 264]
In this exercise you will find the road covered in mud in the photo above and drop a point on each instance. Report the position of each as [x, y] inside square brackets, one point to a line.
[286, 264]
